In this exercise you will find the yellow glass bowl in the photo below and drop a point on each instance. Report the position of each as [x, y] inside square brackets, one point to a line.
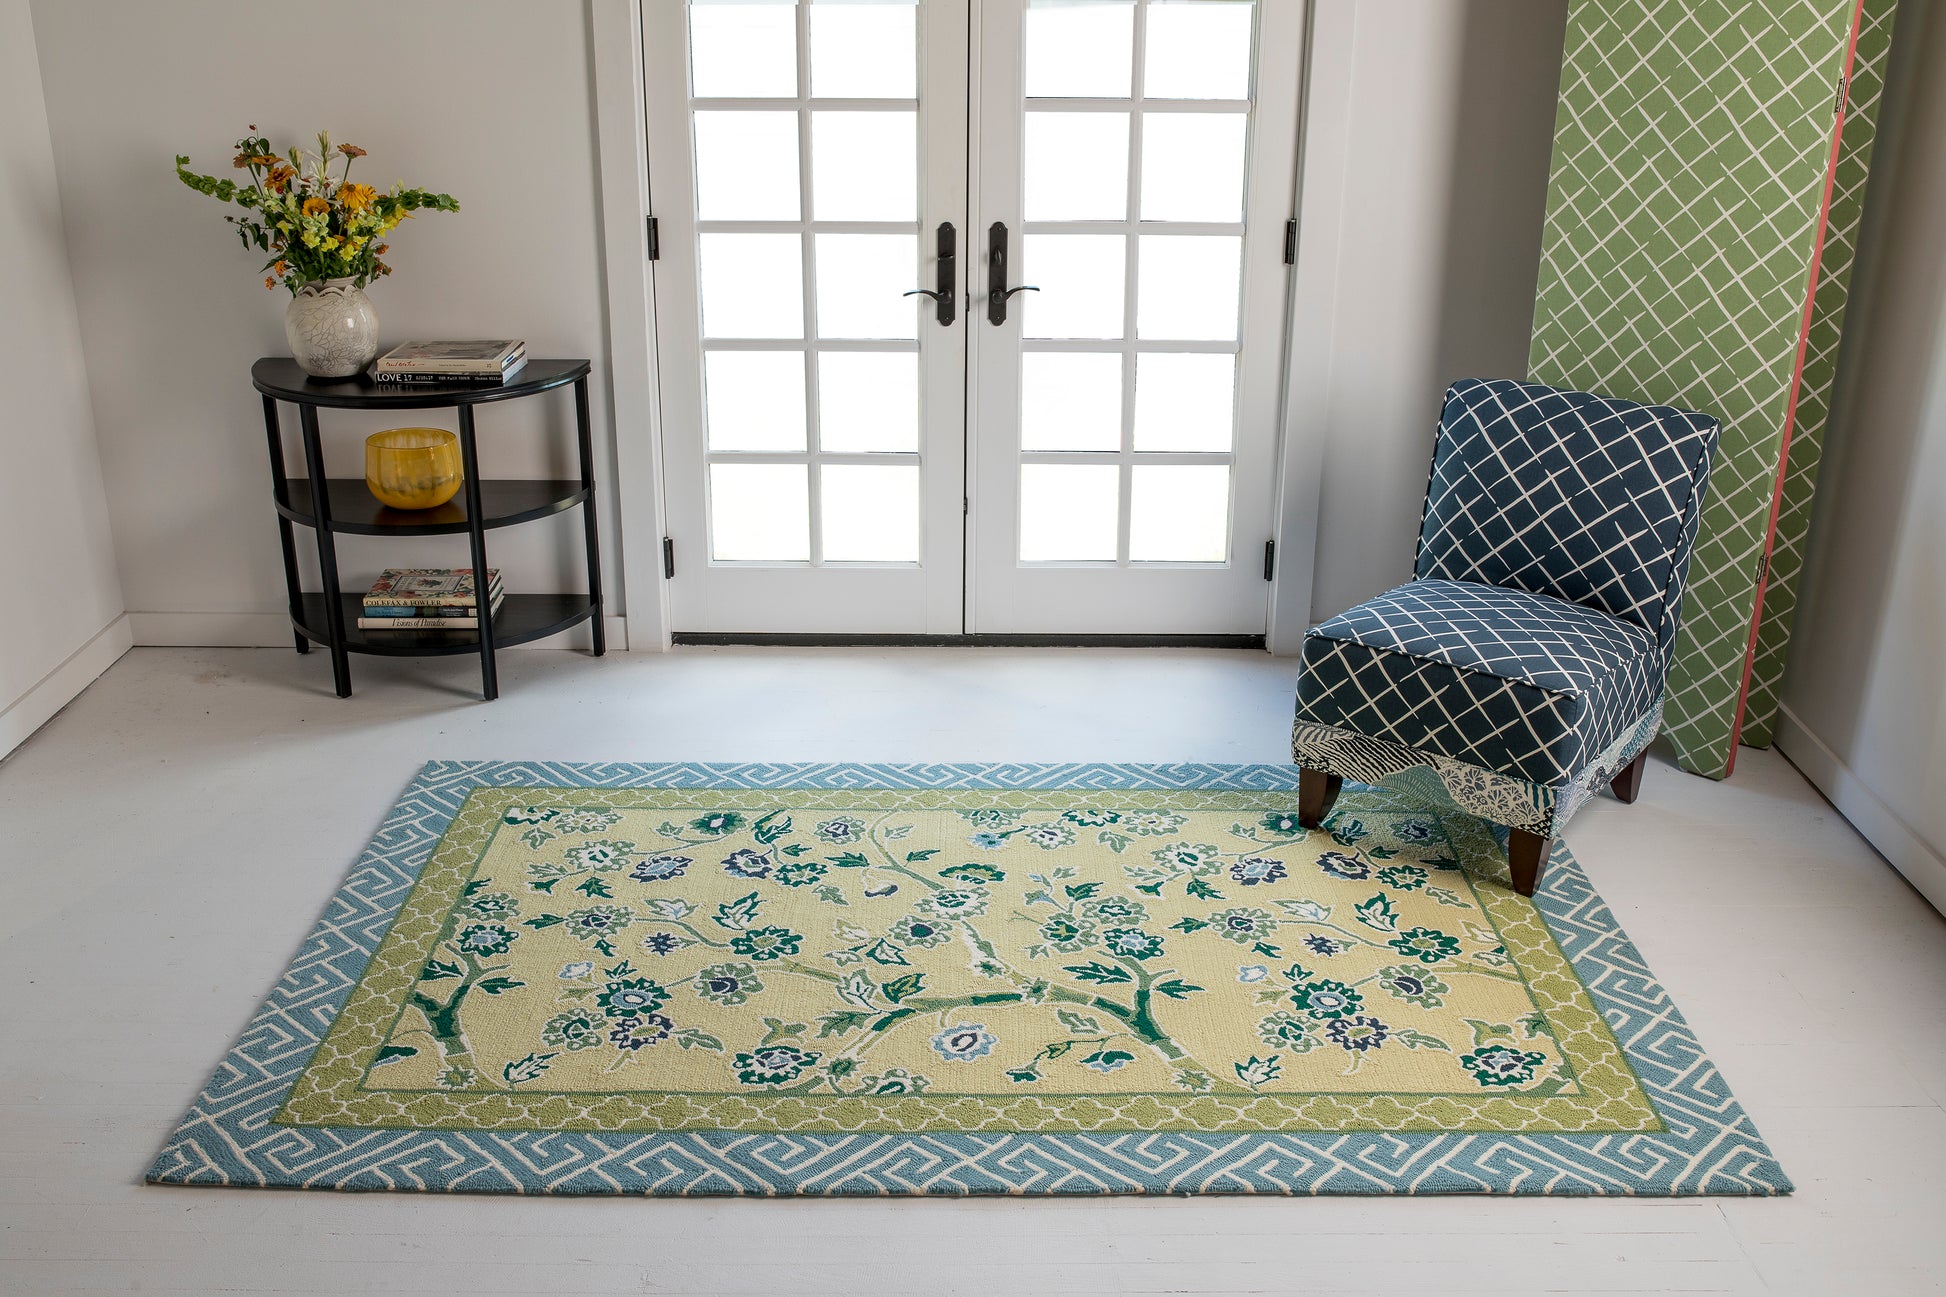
[412, 468]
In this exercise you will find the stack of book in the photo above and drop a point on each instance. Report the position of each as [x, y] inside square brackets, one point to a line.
[482, 364]
[428, 598]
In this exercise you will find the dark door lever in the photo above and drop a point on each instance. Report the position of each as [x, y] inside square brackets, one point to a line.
[945, 303]
[998, 292]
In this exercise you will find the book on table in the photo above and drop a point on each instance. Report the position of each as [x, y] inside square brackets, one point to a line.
[428, 598]
[484, 362]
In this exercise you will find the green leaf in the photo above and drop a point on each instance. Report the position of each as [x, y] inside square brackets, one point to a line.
[595, 887]
[1199, 888]
[831, 894]
[886, 952]
[839, 1021]
[914, 857]
[1445, 897]
[1058, 1048]
[776, 1029]
[499, 985]
[847, 860]
[1079, 1023]
[540, 921]
[1109, 1058]
[1307, 910]
[545, 887]
[1380, 853]
[1378, 913]
[794, 848]
[1150, 889]
[1024, 1075]
[1534, 1024]
[900, 987]
[1258, 1071]
[857, 988]
[1187, 924]
[1176, 989]
[1420, 1040]
[525, 1069]
[1093, 971]
[691, 1038]
[736, 915]
[437, 969]
[392, 1053]
[1081, 891]
[671, 907]
[475, 887]
[771, 827]
[1267, 950]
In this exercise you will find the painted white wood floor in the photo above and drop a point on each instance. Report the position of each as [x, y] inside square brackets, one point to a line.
[166, 842]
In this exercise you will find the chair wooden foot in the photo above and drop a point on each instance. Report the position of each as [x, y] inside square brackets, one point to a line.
[1627, 785]
[1526, 857]
[1315, 792]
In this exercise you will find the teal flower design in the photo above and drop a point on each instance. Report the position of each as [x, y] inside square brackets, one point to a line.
[990, 818]
[658, 869]
[1152, 824]
[1414, 987]
[635, 1033]
[1357, 1034]
[747, 862]
[1050, 836]
[799, 873]
[529, 814]
[773, 1064]
[585, 819]
[601, 856]
[1500, 1065]
[955, 903]
[764, 944]
[491, 905]
[1244, 924]
[964, 1042]
[1131, 943]
[1283, 823]
[1283, 1030]
[1412, 830]
[974, 873]
[1326, 999]
[1340, 865]
[1427, 945]
[893, 1081]
[1196, 857]
[484, 939]
[1089, 818]
[1407, 878]
[598, 922]
[1114, 909]
[717, 823]
[1066, 933]
[841, 830]
[632, 997]
[728, 984]
[572, 1030]
[922, 931]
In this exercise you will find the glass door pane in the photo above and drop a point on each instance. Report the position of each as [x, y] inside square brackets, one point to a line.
[803, 155]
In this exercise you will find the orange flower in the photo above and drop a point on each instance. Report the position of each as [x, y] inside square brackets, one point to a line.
[269, 282]
[351, 150]
[381, 249]
[315, 206]
[356, 198]
[281, 267]
[280, 176]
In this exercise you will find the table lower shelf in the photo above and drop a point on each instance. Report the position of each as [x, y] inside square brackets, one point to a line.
[521, 617]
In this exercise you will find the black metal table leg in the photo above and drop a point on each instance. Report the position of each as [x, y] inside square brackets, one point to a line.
[274, 430]
[334, 613]
[591, 536]
[476, 537]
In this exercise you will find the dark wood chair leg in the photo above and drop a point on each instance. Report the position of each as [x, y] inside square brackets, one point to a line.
[1526, 857]
[1627, 785]
[1315, 792]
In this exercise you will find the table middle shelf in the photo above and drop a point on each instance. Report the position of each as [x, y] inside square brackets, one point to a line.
[356, 511]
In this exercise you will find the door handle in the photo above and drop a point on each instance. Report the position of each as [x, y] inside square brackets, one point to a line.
[945, 297]
[998, 292]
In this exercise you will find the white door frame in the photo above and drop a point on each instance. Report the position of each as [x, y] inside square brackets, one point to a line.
[626, 202]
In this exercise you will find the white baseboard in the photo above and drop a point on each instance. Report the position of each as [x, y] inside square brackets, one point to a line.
[1921, 863]
[273, 630]
[58, 687]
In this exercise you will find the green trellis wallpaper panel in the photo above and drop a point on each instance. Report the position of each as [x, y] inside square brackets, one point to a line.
[1692, 145]
[1820, 371]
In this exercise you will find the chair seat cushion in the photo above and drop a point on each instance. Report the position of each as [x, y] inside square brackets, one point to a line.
[1517, 683]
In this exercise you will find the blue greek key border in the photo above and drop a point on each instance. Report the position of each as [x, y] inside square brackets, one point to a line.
[227, 1137]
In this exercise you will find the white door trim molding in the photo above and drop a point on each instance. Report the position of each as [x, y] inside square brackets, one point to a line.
[622, 150]
[1323, 137]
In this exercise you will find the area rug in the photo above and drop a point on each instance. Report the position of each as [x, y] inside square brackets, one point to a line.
[957, 979]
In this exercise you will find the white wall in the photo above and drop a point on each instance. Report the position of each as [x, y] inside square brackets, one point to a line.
[1865, 696]
[1447, 114]
[59, 600]
[489, 100]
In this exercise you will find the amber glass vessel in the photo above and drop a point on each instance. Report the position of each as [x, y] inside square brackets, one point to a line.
[412, 468]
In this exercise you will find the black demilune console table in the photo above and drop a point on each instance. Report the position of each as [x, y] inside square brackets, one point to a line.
[330, 506]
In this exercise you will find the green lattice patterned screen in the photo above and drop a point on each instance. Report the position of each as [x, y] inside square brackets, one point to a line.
[1692, 147]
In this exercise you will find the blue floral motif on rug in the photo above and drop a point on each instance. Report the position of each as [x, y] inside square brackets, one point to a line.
[258, 1123]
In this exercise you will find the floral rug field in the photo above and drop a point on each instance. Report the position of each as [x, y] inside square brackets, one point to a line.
[1016, 979]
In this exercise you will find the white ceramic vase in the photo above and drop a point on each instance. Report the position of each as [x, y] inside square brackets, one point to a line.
[332, 329]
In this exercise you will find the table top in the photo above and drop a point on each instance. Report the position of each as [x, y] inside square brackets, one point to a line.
[279, 377]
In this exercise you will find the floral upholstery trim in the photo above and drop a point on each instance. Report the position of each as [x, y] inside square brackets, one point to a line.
[1456, 786]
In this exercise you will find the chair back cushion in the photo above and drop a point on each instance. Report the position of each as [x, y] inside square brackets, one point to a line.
[1569, 495]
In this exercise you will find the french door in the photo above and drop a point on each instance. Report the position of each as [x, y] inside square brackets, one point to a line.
[970, 313]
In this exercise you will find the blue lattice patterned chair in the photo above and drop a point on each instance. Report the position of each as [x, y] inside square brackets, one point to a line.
[1524, 663]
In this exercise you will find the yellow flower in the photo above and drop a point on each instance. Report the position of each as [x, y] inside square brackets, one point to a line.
[310, 238]
[315, 206]
[330, 244]
[356, 198]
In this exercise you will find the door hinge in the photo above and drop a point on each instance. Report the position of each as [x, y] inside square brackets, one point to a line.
[668, 557]
[1290, 242]
[1270, 560]
[655, 239]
